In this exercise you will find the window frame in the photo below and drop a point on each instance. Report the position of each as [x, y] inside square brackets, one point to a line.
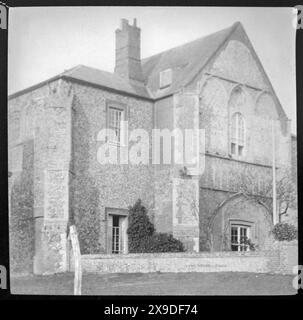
[248, 225]
[111, 104]
[123, 243]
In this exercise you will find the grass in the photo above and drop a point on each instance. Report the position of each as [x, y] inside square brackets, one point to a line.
[224, 283]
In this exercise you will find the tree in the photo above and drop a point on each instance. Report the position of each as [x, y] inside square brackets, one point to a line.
[285, 190]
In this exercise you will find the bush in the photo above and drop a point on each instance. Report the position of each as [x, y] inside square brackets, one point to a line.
[252, 246]
[142, 237]
[284, 232]
[139, 228]
[163, 242]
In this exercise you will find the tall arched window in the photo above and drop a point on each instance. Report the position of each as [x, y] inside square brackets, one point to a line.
[237, 134]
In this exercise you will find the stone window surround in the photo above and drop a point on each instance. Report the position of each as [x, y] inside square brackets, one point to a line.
[113, 211]
[124, 108]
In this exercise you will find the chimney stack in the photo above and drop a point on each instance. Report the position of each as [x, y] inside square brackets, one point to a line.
[128, 52]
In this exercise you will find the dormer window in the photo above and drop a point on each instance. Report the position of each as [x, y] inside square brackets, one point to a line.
[165, 78]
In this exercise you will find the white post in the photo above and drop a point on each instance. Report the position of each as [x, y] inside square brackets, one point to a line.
[77, 260]
[274, 192]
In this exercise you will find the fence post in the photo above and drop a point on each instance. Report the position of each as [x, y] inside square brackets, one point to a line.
[77, 260]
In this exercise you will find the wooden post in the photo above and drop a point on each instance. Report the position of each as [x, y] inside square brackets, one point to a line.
[77, 260]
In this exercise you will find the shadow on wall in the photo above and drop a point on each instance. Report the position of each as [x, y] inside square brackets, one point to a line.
[21, 222]
[84, 198]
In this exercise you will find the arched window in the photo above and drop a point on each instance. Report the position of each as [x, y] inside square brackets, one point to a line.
[237, 134]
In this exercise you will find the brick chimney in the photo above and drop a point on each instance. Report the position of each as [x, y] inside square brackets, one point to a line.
[128, 52]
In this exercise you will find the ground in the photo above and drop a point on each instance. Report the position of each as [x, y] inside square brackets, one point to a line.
[224, 283]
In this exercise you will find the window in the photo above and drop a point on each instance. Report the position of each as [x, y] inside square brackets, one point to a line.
[116, 230]
[165, 78]
[116, 235]
[115, 120]
[239, 234]
[237, 135]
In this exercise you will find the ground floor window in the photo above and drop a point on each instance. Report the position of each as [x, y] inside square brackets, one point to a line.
[239, 234]
[117, 224]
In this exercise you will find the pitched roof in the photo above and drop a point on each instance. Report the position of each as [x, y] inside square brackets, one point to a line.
[106, 79]
[185, 61]
[94, 77]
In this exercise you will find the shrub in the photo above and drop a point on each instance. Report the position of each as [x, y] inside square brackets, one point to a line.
[284, 232]
[252, 246]
[139, 228]
[163, 242]
[142, 237]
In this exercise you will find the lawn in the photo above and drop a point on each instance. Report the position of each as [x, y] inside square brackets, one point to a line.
[227, 283]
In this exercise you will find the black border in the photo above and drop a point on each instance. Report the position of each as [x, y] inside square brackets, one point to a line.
[139, 300]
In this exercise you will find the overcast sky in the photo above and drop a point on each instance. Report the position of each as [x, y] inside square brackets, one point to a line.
[46, 41]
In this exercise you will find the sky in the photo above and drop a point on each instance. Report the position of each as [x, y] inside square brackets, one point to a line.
[45, 41]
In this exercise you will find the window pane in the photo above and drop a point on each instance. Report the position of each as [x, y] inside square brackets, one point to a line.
[114, 120]
[234, 127]
[237, 134]
[238, 233]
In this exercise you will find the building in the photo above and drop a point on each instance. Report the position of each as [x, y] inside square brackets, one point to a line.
[216, 83]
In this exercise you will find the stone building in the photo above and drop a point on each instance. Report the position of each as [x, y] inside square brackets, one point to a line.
[216, 83]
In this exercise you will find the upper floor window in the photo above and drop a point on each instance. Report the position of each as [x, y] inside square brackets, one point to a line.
[165, 78]
[237, 134]
[115, 123]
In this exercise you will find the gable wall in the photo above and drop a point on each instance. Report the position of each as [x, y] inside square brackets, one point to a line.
[219, 100]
